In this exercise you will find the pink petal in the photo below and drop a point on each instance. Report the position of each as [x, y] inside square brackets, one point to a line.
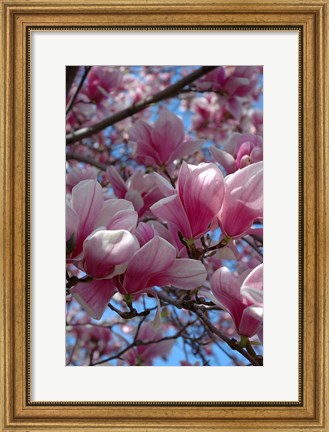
[87, 201]
[140, 131]
[201, 190]
[224, 281]
[118, 185]
[136, 181]
[235, 140]
[117, 214]
[158, 349]
[148, 264]
[94, 296]
[235, 108]
[255, 278]
[252, 287]
[135, 198]
[187, 148]
[244, 150]
[256, 155]
[107, 253]
[243, 202]
[75, 175]
[234, 83]
[251, 320]
[144, 233]
[125, 220]
[226, 160]
[163, 185]
[162, 231]
[145, 151]
[167, 135]
[171, 210]
[186, 274]
[247, 185]
[226, 289]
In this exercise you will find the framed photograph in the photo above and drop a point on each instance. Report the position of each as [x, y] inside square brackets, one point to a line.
[164, 216]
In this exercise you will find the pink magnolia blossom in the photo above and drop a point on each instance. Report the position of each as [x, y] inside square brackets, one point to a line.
[93, 337]
[146, 231]
[82, 111]
[141, 189]
[244, 303]
[163, 143]
[88, 211]
[155, 264]
[243, 202]
[113, 259]
[198, 198]
[233, 85]
[105, 254]
[101, 80]
[144, 354]
[77, 174]
[239, 150]
[239, 81]
[252, 122]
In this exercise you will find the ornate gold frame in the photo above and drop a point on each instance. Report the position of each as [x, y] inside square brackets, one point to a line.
[17, 412]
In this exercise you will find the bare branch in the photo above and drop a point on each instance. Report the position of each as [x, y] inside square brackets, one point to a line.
[84, 76]
[170, 91]
[197, 309]
[86, 159]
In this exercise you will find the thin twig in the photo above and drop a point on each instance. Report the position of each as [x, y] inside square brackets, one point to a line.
[83, 78]
[86, 159]
[197, 309]
[137, 342]
[252, 246]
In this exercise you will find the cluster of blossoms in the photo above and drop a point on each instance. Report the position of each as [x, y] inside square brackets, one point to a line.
[164, 229]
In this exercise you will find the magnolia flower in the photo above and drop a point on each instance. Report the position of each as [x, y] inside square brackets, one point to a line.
[105, 254]
[101, 80]
[141, 189]
[155, 264]
[239, 150]
[144, 354]
[88, 211]
[233, 85]
[163, 143]
[77, 174]
[243, 202]
[114, 261]
[238, 81]
[243, 302]
[92, 337]
[198, 198]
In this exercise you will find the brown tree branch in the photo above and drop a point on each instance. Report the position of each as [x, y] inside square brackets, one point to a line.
[197, 309]
[86, 159]
[170, 91]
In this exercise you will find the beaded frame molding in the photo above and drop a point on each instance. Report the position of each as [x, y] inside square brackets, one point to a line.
[310, 412]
